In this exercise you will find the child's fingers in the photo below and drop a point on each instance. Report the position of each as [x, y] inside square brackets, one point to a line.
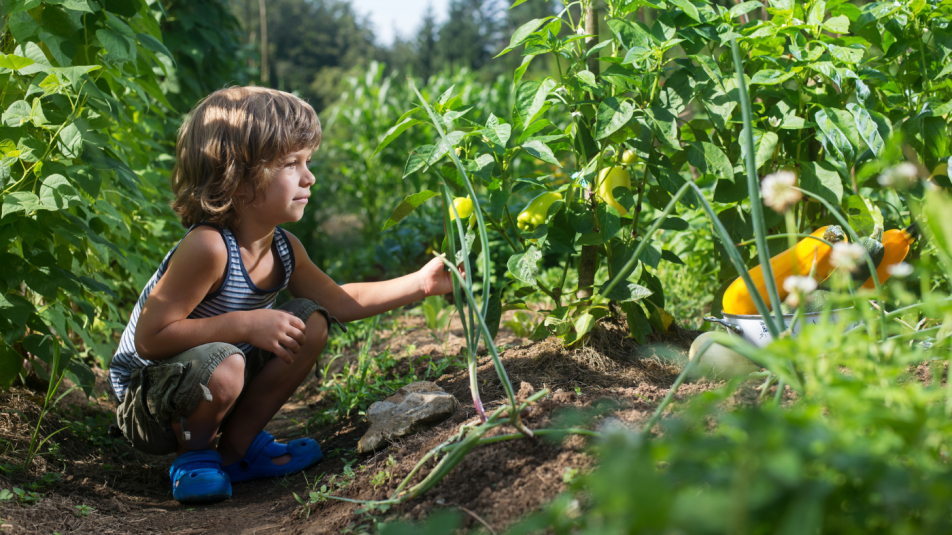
[291, 344]
[283, 354]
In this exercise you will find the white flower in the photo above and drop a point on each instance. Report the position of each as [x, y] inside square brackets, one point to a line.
[798, 287]
[901, 269]
[576, 114]
[775, 121]
[847, 256]
[777, 190]
[901, 176]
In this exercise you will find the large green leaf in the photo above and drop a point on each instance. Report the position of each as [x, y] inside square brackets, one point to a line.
[408, 205]
[11, 364]
[626, 291]
[522, 33]
[710, 159]
[525, 266]
[71, 141]
[688, 8]
[530, 98]
[17, 113]
[821, 178]
[935, 140]
[152, 44]
[835, 142]
[665, 125]
[58, 193]
[119, 48]
[612, 114]
[765, 143]
[867, 128]
[631, 34]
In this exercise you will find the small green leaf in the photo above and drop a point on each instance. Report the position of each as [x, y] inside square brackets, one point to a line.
[497, 134]
[764, 144]
[771, 77]
[11, 364]
[525, 266]
[394, 133]
[14, 62]
[408, 205]
[688, 8]
[867, 128]
[626, 291]
[541, 151]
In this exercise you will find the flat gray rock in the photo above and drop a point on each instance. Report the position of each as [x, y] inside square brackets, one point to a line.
[411, 409]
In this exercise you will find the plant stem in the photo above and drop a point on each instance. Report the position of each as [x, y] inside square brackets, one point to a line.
[753, 187]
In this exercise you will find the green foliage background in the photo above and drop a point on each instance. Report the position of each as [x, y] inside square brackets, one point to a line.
[93, 93]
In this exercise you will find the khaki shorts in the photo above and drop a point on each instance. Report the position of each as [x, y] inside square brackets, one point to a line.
[169, 390]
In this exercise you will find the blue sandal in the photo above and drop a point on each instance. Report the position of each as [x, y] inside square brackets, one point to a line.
[197, 476]
[257, 463]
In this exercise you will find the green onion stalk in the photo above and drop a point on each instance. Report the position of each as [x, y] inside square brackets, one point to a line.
[474, 324]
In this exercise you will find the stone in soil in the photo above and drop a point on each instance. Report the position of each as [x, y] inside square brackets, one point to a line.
[411, 409]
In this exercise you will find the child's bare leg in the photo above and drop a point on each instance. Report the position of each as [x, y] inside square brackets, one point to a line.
[268, 391]
[225, 385]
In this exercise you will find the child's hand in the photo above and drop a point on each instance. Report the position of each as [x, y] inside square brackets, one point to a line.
[434, 280]
[277, 331]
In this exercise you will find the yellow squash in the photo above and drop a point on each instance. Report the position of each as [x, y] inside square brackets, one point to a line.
[737, 300]
[896, 244]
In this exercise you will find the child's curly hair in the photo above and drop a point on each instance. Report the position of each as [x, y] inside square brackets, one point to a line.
[236, 136]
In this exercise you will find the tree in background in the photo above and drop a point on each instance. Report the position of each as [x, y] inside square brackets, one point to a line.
[312, 44]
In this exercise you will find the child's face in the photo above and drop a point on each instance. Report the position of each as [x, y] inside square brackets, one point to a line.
[288, 193]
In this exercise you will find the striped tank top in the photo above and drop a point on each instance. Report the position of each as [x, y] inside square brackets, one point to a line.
[236, 293]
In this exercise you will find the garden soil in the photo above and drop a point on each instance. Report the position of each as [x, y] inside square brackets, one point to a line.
[86, 485]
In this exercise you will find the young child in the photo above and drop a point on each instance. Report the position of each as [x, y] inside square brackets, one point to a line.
[204, 351]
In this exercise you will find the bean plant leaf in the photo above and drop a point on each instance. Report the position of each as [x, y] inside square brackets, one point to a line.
[612, 114]
[71, 141]
[638, 326]
[14, 62]
[525, 266]
[118, 47]
[16, 114]
[710, 159]
[408, 205]
[822, 179]
[57, 192]
[154, 45]
[765, 143]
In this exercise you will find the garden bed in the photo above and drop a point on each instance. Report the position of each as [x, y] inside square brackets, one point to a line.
[104, 486]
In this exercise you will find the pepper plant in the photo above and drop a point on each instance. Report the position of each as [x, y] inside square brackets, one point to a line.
[644, 99]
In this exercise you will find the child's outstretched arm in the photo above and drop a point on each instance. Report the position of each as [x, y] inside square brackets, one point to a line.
[196, 269]
[364, 299]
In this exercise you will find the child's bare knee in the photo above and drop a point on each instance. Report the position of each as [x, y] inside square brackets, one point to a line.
[228, 379]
